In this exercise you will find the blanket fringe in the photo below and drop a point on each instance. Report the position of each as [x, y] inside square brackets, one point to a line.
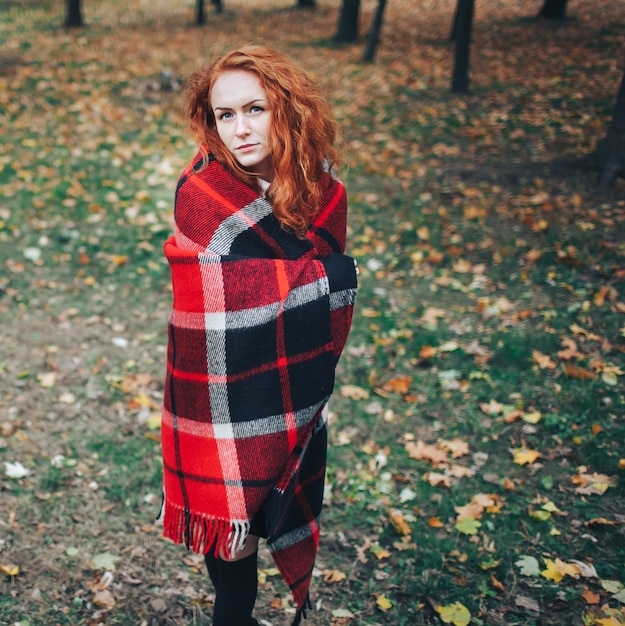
[301, 612]
[200, 533]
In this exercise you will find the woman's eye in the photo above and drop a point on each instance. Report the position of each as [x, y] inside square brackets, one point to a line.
[224, 116]
[256, 109]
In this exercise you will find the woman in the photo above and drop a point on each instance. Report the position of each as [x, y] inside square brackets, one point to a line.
[262, 303]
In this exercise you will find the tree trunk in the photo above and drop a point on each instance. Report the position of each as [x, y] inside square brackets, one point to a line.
[374, 33]
[306, 4]
[200, 16]
[464, 20]
[219, 6]
[453, 35]
[347, 30]
[553, 10]
[74, 14]
[609, 157]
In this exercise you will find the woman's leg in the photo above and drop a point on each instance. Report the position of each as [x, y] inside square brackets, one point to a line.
[236, 585]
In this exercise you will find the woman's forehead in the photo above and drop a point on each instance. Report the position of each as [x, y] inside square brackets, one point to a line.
[236, 87]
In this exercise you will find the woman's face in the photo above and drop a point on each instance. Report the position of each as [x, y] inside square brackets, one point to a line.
[243, 118]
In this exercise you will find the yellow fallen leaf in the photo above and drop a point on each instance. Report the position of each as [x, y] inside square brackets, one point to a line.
[468, 526]
[532, 418]
[154, 421]
[383, 602]
[456, 614]
[333, 576]
[118, 260]
[524, 456]
[379, 551]
[435, 522]
[557, 570]
[608, 621]
[10, 569]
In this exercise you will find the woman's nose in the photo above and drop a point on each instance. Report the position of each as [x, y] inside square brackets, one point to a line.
[242, 127]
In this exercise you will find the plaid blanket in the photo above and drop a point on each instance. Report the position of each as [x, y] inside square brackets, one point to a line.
[258, 322]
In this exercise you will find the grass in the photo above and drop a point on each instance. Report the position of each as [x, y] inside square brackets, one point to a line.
[490, 315]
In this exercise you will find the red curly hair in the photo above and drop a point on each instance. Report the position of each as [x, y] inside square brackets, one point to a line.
[303, 133]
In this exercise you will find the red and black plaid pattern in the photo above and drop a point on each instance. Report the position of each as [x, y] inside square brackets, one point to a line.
[258, 322]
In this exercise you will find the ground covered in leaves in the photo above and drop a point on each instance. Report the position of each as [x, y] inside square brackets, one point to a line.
[476, 462]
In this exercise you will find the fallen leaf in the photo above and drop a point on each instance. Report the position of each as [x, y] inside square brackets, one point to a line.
[400, 384]
[468, 526]
[524, 456]
[379, 552]
[10, 569]
[104, 599]
[399, 523]
[456, 614]
[612, 586]
[437, 479]
[354, 392]
[427, 352]
[533, 417]
[591, 597]
[47, 380]
[383, 602]
[579, 373]
[15, 470]
[422, 451]
[528, 565]
[557, 570]
[104, 560]
[527, 603]
[457, 447]
[592, 484]
[431, 315]
[333, 576]
[608, 621]
[496, 584]
[542, 360]
[491, 408]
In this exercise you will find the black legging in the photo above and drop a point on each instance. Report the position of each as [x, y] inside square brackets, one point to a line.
[236, 585]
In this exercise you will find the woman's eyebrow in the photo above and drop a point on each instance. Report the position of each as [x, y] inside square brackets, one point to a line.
[247, 104]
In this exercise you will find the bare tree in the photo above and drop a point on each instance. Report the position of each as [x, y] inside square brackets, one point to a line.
[553, 10]
[347, 29]
[374, 34]
[463, 26]
[73, 19]
[608, 159]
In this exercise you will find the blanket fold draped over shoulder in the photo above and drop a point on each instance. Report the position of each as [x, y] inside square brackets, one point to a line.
[258, 322]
